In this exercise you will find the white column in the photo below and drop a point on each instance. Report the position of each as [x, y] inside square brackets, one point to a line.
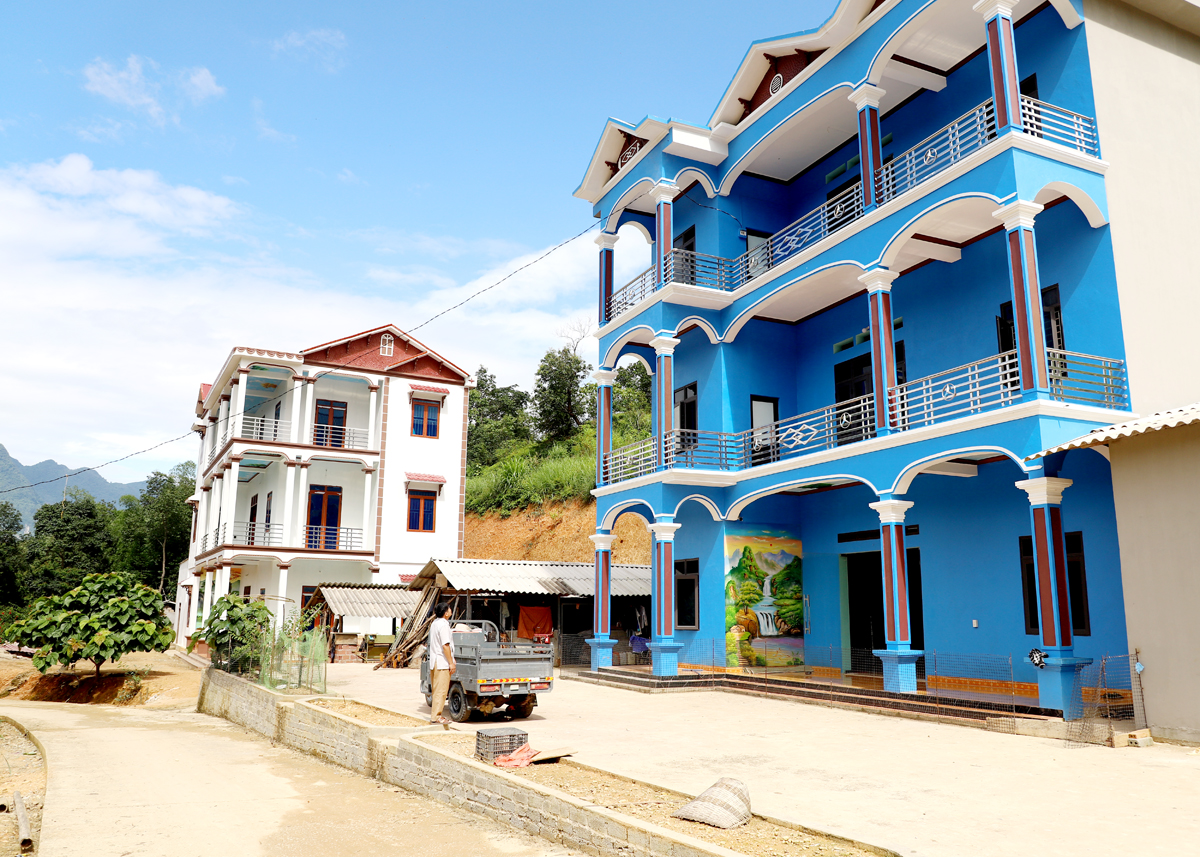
[200, 455]
[297, 390]
[222, 581]
[212, 436]
[368, 506]
[229, 512]
[302, 506]
[289, 499]
[307, 403]
[281, 591]
[372, 435]
[222, 419]
[239, 402]
[193, 607]
[202, 517]
[209, 586]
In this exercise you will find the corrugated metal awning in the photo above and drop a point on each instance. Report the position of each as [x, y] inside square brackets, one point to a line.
[369, 600]
[1098, 437]
[538, 578]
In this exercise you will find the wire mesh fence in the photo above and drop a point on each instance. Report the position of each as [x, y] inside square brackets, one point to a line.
[1107, 702]
[283, 660]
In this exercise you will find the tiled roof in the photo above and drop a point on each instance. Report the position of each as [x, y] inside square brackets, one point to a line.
[425, 477]
[543, 578]
[425, 388]
[1164, 419]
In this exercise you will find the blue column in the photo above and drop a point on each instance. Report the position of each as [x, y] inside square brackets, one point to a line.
[602, 642]
[1026, 290]
[899, 658]
[1056, 679]
[870, 150]
[1002, 62]
[604, 406]
[664, 236]
[606, 242]
[664, 651]
[664, 397]
[883, 351]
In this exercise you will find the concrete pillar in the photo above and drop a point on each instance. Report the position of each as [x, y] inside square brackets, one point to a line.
[223, 420]
[1002, 62]
[308, 410]
[1025, 284]
[372, 409]
[297, 395]
[229, 510]
[664, 384]
[604, 413]
[664, 232]
[866, 98]
[883, 351]
[202, 517]
[239, 401]
[290, 537]
[1056, 678]
[664, 649]
[301, 525]
[899, 658]
[368, 512]
[606, 243]
[602, 642]
[281, 605]
[193, 608]
[209, 588]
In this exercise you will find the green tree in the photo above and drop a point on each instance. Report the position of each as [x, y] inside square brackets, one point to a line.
[631, 403]
[560, 405]
[152, 531]
[103, 618]
[71, 540]
[235, 631]
[12, 553]
[497, 419]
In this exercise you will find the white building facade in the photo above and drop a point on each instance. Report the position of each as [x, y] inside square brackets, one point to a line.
[345, 462]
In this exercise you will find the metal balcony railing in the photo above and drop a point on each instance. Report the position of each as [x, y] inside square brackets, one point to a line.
[632, 293]
[265, 428]
[984, 385]
[340, 437]
[256, 533]
[333, 538]
[1060, 126]
[1086, 379]
[630, 461]
[701, 269]
[964, 135]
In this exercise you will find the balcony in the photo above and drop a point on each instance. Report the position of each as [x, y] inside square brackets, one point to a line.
[333, 538]
[985, 385]
[340, 437]
[264, 428]
[252, 534]
[933, 155]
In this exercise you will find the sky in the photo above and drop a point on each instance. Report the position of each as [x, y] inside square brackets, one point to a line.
[180, 179]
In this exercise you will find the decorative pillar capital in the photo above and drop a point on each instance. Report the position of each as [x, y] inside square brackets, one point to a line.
[243, 370]
[368, 470]
[374, 388]
[867, 95]
[603, 541]
[606, 240]
[233, 382]
[664, 532]
[664, 192]
[1019, 213]
[891, 511]
[304, 464]
[206, 488]
[664, 345]
[224, 397]
[991, 8]
[312, 379]
[878, 280]
[1045, 490]
[604, 377]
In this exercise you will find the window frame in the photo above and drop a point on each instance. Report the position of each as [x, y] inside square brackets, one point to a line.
[424, 497]
[687, 572]
[1081, 619]
[425, 405]
[387, 345]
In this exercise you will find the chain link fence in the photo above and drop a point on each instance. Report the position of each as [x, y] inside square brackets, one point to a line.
[1107, 702]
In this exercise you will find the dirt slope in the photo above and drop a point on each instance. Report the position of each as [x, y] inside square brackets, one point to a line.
[556, 531]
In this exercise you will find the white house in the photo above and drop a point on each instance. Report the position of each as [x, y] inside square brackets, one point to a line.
[345, 462]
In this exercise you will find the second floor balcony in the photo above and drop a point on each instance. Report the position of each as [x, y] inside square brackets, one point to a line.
[258, 534]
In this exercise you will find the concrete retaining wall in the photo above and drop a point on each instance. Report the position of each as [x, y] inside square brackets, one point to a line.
[394, 755]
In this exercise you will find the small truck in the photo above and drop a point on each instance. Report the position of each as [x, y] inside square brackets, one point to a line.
[490, 674]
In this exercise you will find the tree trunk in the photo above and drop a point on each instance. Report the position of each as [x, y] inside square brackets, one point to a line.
[162, 578]
[98, 663]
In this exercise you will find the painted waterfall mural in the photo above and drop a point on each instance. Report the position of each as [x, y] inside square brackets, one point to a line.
[764, 596]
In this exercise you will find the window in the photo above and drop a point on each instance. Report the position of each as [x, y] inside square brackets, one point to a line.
[687, 594]
[330, 424]
[386, 345]
[324, 516]
[764, 445]
[1081, 620]
[306, 594]
[685, 416]
[421, 511]
[246, 593]
[425, 419]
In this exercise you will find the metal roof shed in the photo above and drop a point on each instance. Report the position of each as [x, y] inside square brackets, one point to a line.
[478, 576]
[367, 600]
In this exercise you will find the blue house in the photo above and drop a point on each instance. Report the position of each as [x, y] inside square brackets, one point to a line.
[883, 281]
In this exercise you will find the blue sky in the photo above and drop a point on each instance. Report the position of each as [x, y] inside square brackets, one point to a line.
[179, 179]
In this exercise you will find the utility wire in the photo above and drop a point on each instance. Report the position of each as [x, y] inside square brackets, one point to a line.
[465, 300]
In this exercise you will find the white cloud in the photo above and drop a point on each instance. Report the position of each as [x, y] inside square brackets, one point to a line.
[128, 87]
[348, 177]
[200, 85]
[322, 46]
[101, 130]
[234, 180]
[265, 131]
[119, 325]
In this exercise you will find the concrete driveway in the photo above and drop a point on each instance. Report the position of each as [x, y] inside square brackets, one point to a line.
[922, 789]
[129, 781]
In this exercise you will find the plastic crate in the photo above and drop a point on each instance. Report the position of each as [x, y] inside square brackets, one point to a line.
[490, 744]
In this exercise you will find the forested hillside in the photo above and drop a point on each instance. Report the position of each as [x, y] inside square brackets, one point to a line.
[14, 474]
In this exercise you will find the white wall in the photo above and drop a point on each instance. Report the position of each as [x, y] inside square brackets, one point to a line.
[1146, 76]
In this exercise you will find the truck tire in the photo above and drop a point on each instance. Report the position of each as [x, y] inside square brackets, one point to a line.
[522, 706]
[429, 700]
[456, 702]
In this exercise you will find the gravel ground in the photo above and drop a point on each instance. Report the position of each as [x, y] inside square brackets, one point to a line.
[366, 713]
[647, 803]
[23, 771]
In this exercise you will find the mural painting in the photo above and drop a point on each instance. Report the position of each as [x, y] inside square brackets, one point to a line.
[764, 597]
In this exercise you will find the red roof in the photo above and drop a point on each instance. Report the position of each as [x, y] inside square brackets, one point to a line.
[425, 477]
[204, 388]
[425, 388]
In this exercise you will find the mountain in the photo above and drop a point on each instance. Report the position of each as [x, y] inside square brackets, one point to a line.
[14, 474]
[773, 562]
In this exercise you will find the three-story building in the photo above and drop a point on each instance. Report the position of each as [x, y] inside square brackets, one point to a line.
[883, 278]
[345, 462]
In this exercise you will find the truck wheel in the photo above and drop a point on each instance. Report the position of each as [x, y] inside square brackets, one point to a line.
[460, 709]
[429, 700]
[522, 706]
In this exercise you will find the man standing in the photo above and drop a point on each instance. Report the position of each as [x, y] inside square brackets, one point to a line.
[441, 661]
